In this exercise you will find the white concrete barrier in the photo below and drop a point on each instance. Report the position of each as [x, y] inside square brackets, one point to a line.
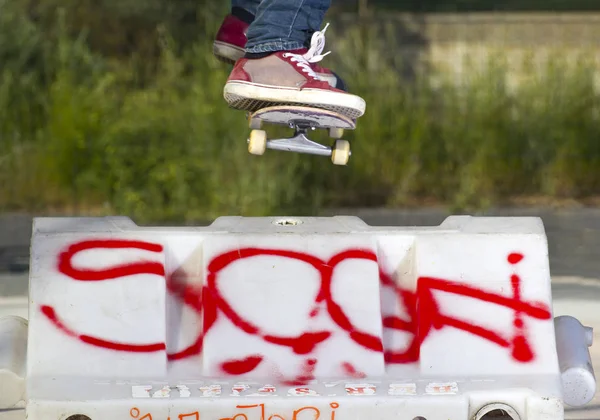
[283, 319]
[577, 372]
[14, 306]
[13, 351]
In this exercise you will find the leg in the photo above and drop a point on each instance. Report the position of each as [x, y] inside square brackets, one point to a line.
[283, 25]
[275, 28]
[245, 9]
[278, 68]
[230, 42]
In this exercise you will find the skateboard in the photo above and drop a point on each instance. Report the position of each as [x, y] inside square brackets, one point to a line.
[301, 119]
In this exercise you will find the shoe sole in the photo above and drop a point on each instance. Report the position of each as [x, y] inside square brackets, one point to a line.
[227, 53]
[252, 97]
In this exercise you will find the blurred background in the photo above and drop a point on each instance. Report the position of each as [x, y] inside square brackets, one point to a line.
[115, 107]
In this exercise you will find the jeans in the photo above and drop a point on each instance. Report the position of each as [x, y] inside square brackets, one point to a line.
[281, 25]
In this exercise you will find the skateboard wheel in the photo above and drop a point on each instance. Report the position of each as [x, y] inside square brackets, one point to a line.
[257, 143]
[341, 152]
[336, 133]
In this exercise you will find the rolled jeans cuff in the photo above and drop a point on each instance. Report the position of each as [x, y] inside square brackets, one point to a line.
[273, 46]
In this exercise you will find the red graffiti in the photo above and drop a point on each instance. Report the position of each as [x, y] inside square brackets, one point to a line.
[425, 314]
[191, 296]
[239, 367]
[306, 342]
[351, 371]
[306, 375]
[423, 311]
[65, 260]
[185, 293]
[98, 342]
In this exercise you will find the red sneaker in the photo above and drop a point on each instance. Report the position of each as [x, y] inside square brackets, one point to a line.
[230, 42]
[285, 78]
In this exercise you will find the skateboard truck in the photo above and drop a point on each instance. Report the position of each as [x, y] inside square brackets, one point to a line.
[299, 142]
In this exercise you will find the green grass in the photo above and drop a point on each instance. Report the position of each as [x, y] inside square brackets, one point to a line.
[82, 134]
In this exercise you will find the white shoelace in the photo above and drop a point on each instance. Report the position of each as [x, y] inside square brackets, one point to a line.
[313, 55]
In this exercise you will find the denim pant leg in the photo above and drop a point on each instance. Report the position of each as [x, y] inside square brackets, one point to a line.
[285, 24]
[250, 6]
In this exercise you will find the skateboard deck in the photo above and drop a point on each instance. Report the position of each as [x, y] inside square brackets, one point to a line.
[301, 119]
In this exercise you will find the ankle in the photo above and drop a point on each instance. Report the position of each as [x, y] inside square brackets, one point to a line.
[242, 14]
[254, 56]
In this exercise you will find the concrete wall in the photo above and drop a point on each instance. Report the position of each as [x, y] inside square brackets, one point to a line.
[445, 40]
